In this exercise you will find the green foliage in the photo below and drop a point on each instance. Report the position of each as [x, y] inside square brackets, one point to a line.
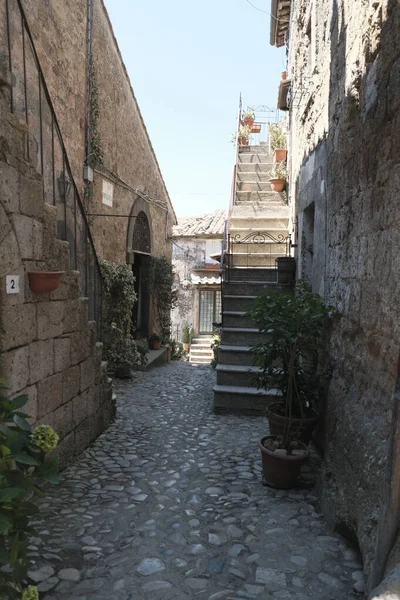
[155, 337]
[278, 171]
[119, 298]
[24, 463]
[277, 138]
[161, 279]
[293, 359]
[177, 350]
[215, 346]
[187, 333]
[96, 155]
[244, 132]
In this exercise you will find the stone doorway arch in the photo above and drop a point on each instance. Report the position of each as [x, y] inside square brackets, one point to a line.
[139, 245]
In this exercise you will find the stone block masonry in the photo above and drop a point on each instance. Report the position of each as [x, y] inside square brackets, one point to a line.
[48, 348]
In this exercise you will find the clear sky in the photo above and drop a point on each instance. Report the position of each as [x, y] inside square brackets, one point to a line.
[188, 61]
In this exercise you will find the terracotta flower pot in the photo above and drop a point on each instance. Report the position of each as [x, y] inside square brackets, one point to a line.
[277, 185]
[281, 470]
[256, 128]
[156, 344]
[247, 121]
[186, 347]
[44, 281]
[243, 141]
[301, 429]
[280, 154]
[283, 75]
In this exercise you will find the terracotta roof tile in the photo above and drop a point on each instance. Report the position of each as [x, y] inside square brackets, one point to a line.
[200, 226]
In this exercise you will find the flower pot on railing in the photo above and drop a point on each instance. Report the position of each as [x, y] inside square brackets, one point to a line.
[243, 141]
[280, 154]
[44, 281]
[277, 185]
[256, 128]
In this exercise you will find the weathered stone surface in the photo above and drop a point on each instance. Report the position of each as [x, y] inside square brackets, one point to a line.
[9, 191]
[149, 566]
[30, 407]
[50, 319]
[49, 394]
[21, 325]
[31, 196]
[71, 381]
[80, 346]
[87, 374]
[63, 420]
[16, 367]
[62, 354]
[41, 360]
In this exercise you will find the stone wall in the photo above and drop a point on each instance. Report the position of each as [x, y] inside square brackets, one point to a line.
[344, 175]
[48, 348]
[129, 163]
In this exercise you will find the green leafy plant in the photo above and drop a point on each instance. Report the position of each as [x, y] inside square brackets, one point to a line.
[215, 346]
[155, 337]
[293, 359]
[24, 463]
[161, 280]
[187, 333]
[243, 134]
[119, 298]
[277, 138]
[177, 350]
[278, 171]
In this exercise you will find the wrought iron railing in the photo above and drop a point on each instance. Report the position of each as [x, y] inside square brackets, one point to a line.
[254, 255]
[30, 99]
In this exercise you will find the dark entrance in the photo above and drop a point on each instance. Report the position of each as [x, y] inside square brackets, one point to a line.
[210, 310]
[141, 250]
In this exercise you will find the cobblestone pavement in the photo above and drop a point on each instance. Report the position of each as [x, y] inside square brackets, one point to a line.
[168, 504]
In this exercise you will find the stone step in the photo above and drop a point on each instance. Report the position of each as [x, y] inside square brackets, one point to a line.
[253, 186]
[242, 399]
[254, 149]
[253, 176]
[252, 274]
[268, 196]
[237, 375]
[251, 288]
[235, 355]
[238, 302]
[197, 349]
[258, 223]
[242, 336]
[201, 360]
[259, 209]
[237, 318]
[255, 158]
[253, 168]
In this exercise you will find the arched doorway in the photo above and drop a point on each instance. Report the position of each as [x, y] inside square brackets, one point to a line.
[138, 255]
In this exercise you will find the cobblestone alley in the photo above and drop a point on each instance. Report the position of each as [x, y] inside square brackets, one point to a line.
[168, 504]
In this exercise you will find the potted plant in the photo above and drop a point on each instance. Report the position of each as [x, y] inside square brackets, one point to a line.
[44, 281]
[277, 140]
[155, 340]
[247, 118]
[242, 136]
[293, 361]
[278, 176]
[187, 337]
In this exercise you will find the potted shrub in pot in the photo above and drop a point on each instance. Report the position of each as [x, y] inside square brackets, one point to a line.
[187, 337]
[278, 176]
[242, 136]
[277, 140]
[247, 118]
[155, 340]
[293, 361]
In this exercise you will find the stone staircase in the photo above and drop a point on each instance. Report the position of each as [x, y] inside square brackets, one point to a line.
[200, 349]
[259, 217]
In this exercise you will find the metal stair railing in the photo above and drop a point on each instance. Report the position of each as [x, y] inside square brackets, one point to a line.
[45, 149]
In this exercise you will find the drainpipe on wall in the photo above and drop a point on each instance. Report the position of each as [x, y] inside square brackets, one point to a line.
[389, 521]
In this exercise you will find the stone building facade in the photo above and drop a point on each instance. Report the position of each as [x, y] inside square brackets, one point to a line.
[197, 279]
[129, 208]
[79, 180]
[343, 67]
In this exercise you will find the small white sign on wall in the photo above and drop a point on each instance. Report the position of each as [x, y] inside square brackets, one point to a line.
[12, 284]
[108, 192]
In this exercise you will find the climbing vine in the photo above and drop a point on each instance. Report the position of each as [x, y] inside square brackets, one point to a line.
[95, 153]
[119, 297]
[161, 284]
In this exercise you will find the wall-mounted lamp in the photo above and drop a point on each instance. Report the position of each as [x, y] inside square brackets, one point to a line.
[64, 186]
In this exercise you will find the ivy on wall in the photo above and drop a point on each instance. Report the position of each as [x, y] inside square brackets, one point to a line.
[161, 276]
[95, 154]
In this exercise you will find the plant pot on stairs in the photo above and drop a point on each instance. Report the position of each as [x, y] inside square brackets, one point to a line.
[44, 281]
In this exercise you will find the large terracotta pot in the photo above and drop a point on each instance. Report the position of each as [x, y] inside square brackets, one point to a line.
[280, 154]
[44, 281]
[156, 344]
[186, 347]
[256, 128]
[247, 121]
[302, 429]
[243, 141]
[277, 185]
[281, 470]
